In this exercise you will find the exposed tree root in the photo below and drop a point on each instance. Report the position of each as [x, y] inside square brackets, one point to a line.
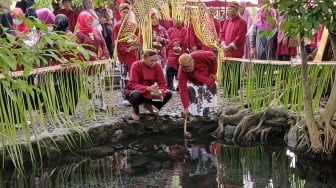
[245, 128]
[303, 147]
[255, 128]
[247, 123]
[230, 116]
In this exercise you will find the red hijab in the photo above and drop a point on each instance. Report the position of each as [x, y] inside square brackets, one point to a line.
[82, 21]
[23, 28]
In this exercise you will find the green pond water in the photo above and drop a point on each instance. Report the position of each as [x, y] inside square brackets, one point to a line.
[170, 161]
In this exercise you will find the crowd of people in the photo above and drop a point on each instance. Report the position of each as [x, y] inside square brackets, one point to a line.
[148, 76]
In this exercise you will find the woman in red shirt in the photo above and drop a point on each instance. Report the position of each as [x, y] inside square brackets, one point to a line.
[87, 34]
[127, 51]
[19, 20]
[93, 41]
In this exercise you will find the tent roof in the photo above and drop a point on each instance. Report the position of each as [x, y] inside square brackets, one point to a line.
[224, 3]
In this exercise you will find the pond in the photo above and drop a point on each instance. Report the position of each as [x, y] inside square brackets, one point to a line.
[170, 161]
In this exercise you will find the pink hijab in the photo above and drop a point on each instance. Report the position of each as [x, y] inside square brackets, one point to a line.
[22, 27]
[46, 16]
[82, 20]
[261, 20]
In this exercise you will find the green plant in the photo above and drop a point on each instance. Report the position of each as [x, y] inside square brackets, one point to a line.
[31, 100]
[303, 17]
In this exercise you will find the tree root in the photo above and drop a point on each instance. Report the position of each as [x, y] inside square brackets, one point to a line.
[229, 116]
[251, 128]
[250, 136]
[234, 119]
[303, 147]
[245, 124]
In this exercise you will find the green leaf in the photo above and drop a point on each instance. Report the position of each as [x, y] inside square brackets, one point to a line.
[30, 23]
[270, 20]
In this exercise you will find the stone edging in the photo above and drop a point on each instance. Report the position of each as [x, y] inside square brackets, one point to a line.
[112, 131]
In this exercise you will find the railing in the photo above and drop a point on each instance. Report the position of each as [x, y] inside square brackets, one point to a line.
[266, 83]
[61, 67]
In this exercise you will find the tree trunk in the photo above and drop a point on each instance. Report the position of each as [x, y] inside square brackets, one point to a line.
[330, 108]
[314, 134]
[327, 115]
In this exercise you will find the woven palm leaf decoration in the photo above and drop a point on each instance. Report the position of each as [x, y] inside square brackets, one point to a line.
[127, 31]
[180, 12]
[128, 28]
[141, 9]
[203, 24]
[163, 9]
[204, 29]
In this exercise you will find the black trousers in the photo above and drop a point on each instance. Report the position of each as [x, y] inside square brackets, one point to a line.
[136, 98]
[109, 44]
[170, 73]
[66, 88]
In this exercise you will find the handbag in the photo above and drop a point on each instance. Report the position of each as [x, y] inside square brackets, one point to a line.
[293, 41]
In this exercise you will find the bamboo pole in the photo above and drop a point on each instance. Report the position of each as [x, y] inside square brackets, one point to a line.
[275, 62]
[185, 125]
[57, 68]
[186, 133]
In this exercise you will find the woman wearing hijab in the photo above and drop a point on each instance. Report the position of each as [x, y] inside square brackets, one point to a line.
[68, 79]
[62, 24]
[87, 34]
[47, 17]
[245, 14]
[19, 20]
[61, 27]
[93, 41]
[22, 30]
[263, 47]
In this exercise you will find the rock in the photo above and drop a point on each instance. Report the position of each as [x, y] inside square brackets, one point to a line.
[118, 135]
[139, 161]
[97, 151]
[291, 137]
[103, 135]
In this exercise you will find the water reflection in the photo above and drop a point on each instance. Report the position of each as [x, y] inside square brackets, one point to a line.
[264, 167]
[254, 167]
[168, 161]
